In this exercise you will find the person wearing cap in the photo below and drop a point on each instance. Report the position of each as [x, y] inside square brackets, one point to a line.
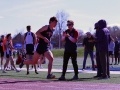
[70, 37]
[88, 44]
[99, 68]
[103, 39]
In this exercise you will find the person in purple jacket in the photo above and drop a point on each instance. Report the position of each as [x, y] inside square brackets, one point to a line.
[103, 39]
[99, 68]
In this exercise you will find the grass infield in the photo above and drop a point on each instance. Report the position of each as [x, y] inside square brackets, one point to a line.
[84, 77]
[60, 52]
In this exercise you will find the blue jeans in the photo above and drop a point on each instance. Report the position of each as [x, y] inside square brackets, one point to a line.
[85, 58]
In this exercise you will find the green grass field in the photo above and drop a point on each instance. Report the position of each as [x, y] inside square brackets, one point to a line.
[42, 76]
[84, 77]
[60, 52]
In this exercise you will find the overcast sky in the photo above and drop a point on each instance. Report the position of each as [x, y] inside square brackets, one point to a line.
[15, 15]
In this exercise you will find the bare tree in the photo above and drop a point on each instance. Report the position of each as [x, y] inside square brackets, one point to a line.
[81, 36]
[62, 17]
[114, 31]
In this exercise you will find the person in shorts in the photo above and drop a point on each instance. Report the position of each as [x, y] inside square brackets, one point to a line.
[8, 53]
[45, 33]
[111, 47]
[29, 41]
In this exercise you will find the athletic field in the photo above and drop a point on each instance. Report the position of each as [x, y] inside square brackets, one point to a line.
[20, 81]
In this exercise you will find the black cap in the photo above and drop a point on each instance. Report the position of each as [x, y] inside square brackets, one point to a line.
[88, 33]
[96, 25]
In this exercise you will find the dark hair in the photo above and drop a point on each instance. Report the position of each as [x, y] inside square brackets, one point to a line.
[28, 28]
[96, 25]
[52, 19]
[70, 21]
[2, 36]
[8, 35]
[102, 23]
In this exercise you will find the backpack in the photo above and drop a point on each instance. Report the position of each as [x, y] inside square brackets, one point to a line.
[31, 35]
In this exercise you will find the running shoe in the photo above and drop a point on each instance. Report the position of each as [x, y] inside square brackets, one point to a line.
[3, 71]
[36, 72]
[62, 78]
[75, 78]
[21, 64]
[51, 76]
[17, 70]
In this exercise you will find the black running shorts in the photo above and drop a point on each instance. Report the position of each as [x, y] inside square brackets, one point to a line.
[29, 49]
[41, 48]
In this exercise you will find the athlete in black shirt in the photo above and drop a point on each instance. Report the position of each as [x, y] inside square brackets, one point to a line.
[44, 35]
[70, 36]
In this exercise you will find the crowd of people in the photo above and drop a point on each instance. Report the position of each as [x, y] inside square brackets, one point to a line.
[37, 47]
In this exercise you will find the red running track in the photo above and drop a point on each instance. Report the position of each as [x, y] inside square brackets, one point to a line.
[14, 84]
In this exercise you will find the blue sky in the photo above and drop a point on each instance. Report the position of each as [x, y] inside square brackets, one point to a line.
[15, 15]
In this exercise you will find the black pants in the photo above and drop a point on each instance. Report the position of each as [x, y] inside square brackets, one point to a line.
[1, 51]
[116, 54]
[104, 60]
[66, 57]
[99, 68]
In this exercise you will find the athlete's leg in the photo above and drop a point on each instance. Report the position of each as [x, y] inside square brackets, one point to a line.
[40, 62]
[34, 60]
[49, 56]
[1, 61]
[2, 56]
[12, 64]
[6, 63]
[35, 69]
[27, 66]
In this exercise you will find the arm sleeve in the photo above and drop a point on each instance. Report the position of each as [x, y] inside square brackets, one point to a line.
[76, 35]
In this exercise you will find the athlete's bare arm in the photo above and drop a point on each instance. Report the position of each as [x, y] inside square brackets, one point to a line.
[34, 39]
[63, 36]
[23, 41]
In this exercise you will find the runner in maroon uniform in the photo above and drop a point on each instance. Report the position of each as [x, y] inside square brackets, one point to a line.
[44, 35]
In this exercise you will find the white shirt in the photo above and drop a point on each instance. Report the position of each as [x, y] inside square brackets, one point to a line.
[29, 38]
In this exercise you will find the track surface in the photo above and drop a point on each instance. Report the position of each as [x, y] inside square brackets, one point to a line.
[14, 84]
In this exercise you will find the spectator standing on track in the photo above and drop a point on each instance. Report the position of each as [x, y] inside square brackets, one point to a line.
[111, 47]
[99, 68]
[103, 39]
[88, 44]
[70, 37]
